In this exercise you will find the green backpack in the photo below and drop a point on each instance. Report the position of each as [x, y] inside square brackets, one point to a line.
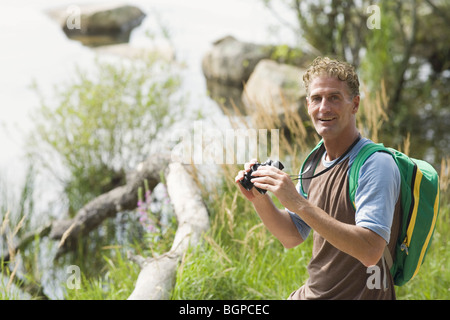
[420, 209]
[419, 202]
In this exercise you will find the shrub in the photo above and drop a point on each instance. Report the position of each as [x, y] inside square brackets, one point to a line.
[103, 123]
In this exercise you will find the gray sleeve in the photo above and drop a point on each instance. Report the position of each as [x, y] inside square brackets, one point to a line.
[302, 227]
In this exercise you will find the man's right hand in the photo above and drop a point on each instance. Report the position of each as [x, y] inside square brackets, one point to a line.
[277, 221]
[253, 194]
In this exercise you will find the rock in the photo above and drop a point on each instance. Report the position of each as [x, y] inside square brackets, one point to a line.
[108, 19]
[231, 62]
[275, 86]
[97, 24]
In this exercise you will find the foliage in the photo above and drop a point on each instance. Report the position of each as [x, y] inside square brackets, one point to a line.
[103, 123]
[118, 277]
[408, 51]
[100, 124]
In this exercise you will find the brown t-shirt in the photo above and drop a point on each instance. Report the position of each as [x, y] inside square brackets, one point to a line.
[334, 274]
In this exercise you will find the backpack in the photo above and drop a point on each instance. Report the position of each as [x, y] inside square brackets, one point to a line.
[419, 203]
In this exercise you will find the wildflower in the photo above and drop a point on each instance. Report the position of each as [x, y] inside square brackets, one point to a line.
[144, 211]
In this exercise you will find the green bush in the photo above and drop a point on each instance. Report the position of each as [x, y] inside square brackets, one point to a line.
[103, 122]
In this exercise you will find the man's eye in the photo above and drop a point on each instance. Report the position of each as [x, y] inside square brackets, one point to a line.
[334, 98]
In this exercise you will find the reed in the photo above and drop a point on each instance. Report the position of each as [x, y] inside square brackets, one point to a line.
[9, 268]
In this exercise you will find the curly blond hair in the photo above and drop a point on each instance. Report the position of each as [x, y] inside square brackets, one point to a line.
[333, 68]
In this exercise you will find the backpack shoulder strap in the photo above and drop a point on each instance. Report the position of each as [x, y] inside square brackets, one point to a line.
[309, 166]
[365, 152]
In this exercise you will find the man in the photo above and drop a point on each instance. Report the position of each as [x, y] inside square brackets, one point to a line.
[347, 243]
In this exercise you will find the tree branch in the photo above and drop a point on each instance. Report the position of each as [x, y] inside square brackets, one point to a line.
[410, 42]
[109, 204]
[157, 276]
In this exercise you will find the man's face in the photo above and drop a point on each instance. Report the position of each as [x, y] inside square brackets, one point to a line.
[331, 107]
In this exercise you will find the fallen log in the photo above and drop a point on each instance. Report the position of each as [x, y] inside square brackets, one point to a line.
[97, 210]
[109, 204]
[157, 276]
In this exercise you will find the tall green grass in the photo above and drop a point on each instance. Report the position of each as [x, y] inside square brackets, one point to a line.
[115, 281]
[239, 259]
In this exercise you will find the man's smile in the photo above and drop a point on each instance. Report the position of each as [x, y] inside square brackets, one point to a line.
[326, 119]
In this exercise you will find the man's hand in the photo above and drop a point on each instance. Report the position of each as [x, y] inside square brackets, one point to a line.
[277, 221]
[279, 183]
[271, 179]
[253, 194]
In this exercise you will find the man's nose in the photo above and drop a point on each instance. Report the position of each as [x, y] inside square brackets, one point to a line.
[324, 105]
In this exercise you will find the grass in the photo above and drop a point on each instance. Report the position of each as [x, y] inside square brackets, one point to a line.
[240, 259]
[119, 275]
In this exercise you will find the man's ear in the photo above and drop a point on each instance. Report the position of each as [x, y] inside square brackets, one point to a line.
[355, 102]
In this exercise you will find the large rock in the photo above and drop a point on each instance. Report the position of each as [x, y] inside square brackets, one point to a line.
[109, 19]
[275, 86]
[230, 61]
[98, 24]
